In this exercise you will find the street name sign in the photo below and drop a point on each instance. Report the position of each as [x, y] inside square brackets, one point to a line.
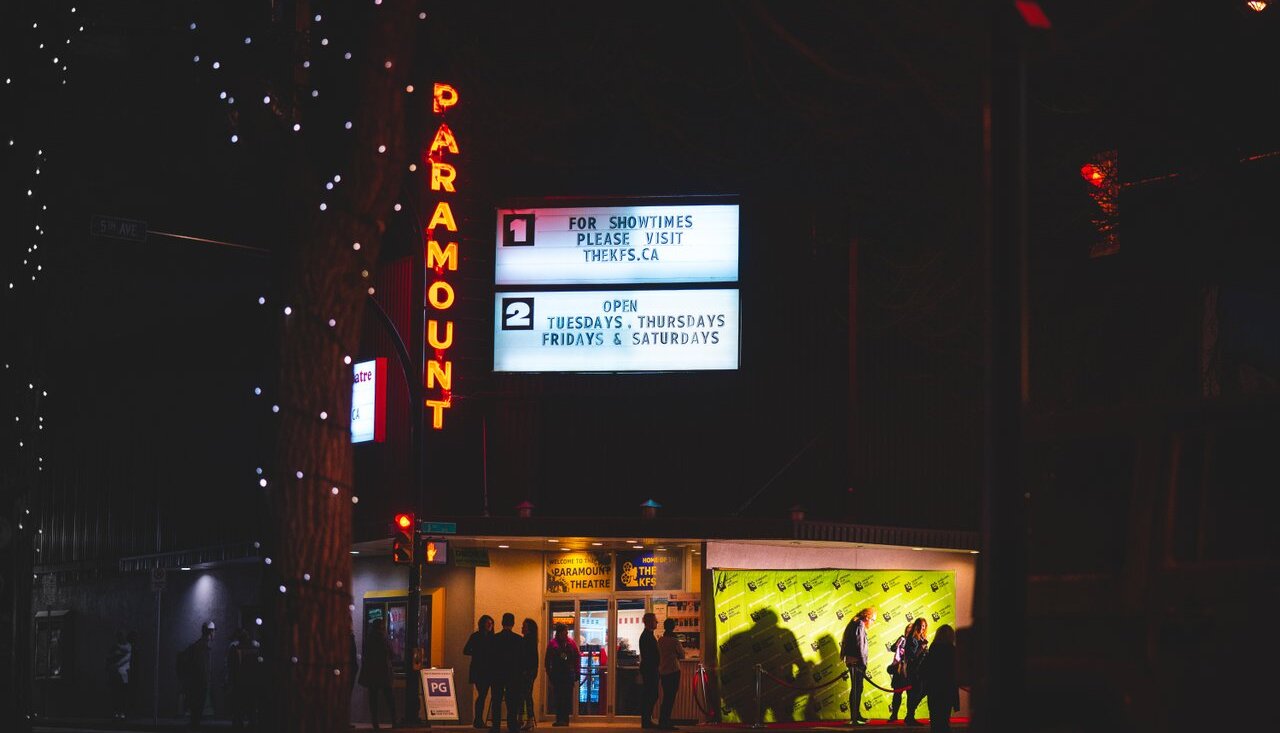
[438, 527]
[115, 227]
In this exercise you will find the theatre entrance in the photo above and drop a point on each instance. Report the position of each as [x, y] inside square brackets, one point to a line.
[607, 631]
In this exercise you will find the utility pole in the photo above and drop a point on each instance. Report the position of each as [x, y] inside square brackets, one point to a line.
[1001, 607]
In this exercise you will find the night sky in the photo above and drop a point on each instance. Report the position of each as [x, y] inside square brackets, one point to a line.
[835, 123]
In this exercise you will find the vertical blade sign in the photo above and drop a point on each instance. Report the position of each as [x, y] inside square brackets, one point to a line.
[441, 259]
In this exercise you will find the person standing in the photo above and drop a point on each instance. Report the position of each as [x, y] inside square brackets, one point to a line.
[670, 652]
[938, 677]
[242, 664]
[649, 660]
[898, 672]
[375, 673]
[119, 662]
[529, 672]
[194, 671]
[853, 647]
[917, 647]
[478, 647]
[508, 680]
[563, 664]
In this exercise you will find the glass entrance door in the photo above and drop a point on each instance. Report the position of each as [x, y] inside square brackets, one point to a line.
[593, 628]
[589, 626]
[629, 622]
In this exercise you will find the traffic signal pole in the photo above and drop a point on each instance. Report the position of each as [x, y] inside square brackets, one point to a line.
[417, 450]
[411, 634]
[412, 358]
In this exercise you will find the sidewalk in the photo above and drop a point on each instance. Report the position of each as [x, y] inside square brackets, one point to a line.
[179, 725]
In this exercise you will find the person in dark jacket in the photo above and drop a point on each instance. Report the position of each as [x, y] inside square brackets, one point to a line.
[375, 673]
[853, 647]
[898, 673]
[670, 652]
[507, 676]
[478, 648]
[938, 676]
[529, 672]
[119, 663]
[916, 649]
[648, 671]
[563, 662]
[242, 678]
[194, 671]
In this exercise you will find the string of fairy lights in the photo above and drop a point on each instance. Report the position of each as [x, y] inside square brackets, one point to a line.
[224, 57]
[43, 37]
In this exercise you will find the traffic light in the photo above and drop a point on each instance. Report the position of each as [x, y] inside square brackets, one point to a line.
[402, 543]
[1102, 174]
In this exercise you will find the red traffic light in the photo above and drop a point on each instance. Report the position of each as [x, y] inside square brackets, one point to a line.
[1093, 174]
[403, 541]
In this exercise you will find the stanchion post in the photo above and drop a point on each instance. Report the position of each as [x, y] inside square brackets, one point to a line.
[702, 682]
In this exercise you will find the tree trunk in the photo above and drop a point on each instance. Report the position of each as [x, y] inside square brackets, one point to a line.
[308, 583]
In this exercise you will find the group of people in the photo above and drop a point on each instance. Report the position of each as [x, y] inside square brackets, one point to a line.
[503, 668]
[920, 669]
[244, 679]
[659, 665]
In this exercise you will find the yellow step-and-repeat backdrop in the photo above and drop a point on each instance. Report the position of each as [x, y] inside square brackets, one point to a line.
[791, 622]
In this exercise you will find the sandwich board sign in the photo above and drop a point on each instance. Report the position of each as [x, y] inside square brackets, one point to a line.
[439, 694]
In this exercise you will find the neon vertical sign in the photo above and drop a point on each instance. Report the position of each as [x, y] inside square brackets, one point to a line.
[441, 258]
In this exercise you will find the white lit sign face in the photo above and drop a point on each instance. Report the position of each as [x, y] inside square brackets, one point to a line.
[618, 245]
[616, 331]
[368, 401]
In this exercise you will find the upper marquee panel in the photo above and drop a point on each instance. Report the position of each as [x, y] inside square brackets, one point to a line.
[680, 243]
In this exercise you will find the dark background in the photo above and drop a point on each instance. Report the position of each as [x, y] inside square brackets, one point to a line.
[852, 135]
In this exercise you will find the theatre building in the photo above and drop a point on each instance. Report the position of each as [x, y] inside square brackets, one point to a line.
[778, 593]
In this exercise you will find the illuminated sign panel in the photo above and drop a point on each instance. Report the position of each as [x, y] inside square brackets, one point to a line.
[680, 243]
[369, 401]
[616, 330]
[440, 259]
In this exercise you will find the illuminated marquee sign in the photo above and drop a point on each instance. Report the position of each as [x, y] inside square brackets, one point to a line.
[441, 258]
[617, 245]
[369, 401]
[640, 287]
[616, 330]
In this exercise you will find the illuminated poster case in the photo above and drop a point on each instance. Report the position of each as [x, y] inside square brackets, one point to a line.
[617, 245]
[628, 288]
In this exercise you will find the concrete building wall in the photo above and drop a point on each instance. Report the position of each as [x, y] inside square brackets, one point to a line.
[453, 591]
[513, 582]
[100, 607]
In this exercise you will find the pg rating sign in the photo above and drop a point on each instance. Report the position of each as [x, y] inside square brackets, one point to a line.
[680, 243]
[616, 330]
[438, 694]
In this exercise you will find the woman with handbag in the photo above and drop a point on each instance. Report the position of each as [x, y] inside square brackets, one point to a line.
[917, 647]
[897, 670]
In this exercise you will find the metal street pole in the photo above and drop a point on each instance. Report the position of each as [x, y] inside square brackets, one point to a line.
[155, 680]
[1001, 606]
